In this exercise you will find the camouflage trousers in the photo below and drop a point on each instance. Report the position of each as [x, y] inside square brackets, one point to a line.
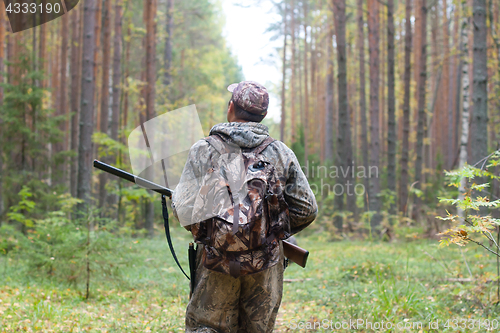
[223, 304]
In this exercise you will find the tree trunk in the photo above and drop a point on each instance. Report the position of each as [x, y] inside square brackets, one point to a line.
[417, 47]
[87, 107]
[344, 160]
[150, 14]
[452, 143]
[447, 114]
[403, 185]
[422, 116]
[391, 106]
[362, 96]
[97, 33]
[42, 53]
[117, 74]
[460, 93]
[329, 105]
[116, 89]
[432, 145]
[106, 59]
[2, 39]
[58, 170]
[54, 59]
[9, 43]
[76, 80]
[455, 86]
[495, 187]
[470, 42]
[381, 89]
[283, 84]
[373, 44]
[464, 139]
[311, 119]
[97, 67]
[293, 90]
[167, 56]
[479, 138]
[305, 124]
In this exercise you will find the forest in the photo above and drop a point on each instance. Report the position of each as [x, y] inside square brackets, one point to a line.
[392, 108]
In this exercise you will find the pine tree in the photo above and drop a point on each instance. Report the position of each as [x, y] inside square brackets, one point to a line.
[373, 43]
[403, 185]
[87, 106]
[391, 104]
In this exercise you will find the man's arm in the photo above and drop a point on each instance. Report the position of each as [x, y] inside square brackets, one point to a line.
[298, 194]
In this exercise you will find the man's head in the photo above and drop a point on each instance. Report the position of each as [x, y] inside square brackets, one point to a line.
[248, 103]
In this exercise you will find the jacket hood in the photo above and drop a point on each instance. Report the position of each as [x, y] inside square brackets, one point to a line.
[245, 135]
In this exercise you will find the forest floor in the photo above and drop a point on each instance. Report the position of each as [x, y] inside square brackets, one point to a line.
[347, 286]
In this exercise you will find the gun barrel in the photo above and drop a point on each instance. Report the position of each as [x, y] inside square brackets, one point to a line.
[131, 178]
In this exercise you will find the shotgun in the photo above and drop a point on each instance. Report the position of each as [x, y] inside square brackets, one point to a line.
[293, 252]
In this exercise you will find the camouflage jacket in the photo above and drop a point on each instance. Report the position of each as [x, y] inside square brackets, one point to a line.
[298, 195]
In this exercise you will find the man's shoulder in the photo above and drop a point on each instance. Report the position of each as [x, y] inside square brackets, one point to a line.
[280, 145]
[199, 145]
[282, 149]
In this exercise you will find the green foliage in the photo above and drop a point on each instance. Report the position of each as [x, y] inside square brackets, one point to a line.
[9, 238]
[24, 206]
[28, 167]
[58, 246]
[473, 224]
[108, 146]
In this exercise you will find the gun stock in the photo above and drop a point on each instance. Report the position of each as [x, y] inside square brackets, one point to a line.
[295, 253]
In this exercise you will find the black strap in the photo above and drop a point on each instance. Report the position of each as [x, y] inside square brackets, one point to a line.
[167, 233]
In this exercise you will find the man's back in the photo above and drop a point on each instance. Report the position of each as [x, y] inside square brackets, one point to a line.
[220, 302]
[298, 195]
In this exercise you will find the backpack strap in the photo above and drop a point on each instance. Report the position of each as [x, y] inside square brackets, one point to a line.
[260, 148]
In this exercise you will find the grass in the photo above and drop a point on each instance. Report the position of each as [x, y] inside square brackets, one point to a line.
[402, 282]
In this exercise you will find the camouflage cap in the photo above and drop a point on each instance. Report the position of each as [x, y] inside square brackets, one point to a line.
[250, 96]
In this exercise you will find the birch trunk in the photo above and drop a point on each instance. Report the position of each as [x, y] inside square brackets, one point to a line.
[479, 138]
[464, 139]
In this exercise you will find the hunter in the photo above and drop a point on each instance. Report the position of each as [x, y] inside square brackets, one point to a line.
[238, 284]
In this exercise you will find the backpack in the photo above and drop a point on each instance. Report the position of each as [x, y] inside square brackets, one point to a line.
[240, 210]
